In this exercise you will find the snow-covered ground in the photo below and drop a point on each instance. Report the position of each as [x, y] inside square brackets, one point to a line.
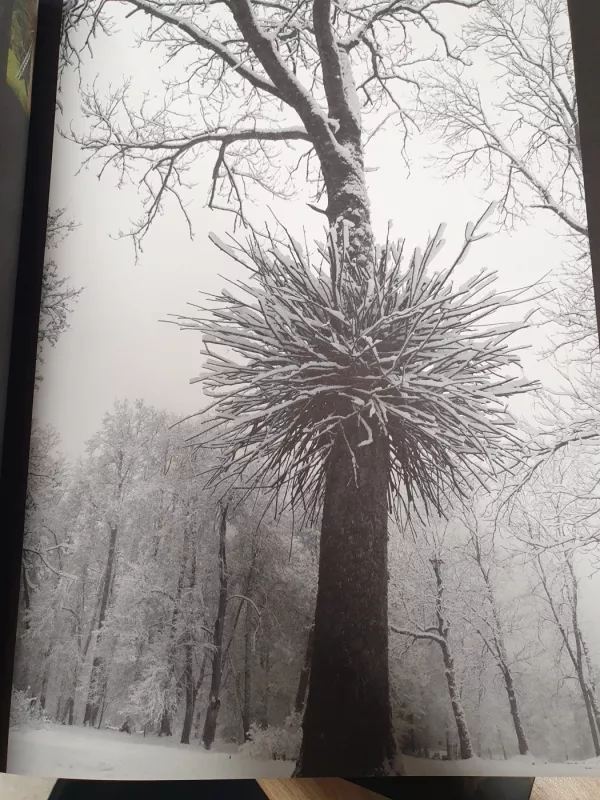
[71, 752]
[59, 751]
[519, 766]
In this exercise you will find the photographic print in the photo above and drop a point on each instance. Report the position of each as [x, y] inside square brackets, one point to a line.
[313, 481]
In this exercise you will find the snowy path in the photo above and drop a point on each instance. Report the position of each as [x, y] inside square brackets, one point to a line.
[58, 751]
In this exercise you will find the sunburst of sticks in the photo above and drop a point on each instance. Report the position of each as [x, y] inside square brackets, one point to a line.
[413, 352]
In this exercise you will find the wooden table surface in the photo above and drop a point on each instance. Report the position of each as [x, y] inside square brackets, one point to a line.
[13, 787]
[566, 789]
[338, 789]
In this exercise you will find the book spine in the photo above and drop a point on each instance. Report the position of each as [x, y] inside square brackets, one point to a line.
[27, 107]
[18, 24]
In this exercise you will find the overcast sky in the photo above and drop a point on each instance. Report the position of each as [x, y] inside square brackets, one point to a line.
[117, 347]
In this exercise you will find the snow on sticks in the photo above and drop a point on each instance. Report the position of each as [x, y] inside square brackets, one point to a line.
[303, 350]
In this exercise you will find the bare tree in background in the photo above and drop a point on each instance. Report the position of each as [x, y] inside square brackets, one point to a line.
[521, 131]
[436, 625]
[559, 588]
[490, 626]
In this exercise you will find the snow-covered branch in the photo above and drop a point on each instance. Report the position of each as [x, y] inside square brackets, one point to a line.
[413, 634]
[207, 42]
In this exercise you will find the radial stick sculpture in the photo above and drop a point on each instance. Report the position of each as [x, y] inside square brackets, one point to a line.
[343, 391]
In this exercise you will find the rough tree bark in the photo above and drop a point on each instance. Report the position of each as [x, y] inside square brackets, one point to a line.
[97, 683]
[214, 701]
[347, 721]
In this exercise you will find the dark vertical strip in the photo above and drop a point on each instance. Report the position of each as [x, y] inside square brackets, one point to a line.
[585, 34]
[6, 7]
[14, 124]
[24, 343]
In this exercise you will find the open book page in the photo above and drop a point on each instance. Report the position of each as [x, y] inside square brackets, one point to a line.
[314, 466]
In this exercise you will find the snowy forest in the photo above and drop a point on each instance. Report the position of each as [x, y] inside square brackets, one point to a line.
[369, 545]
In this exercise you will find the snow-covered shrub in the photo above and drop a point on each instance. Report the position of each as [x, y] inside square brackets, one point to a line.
[281, 743]
[24, 711]
[154, 696]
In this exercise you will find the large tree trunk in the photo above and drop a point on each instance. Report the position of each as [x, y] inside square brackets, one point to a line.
[214, 700]
[305, 672]
[97, 684]
[347, 722]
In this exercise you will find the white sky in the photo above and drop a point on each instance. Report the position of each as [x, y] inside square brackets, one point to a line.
[117, 347]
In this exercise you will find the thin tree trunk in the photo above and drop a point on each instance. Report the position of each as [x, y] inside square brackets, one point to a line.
[305, 672]
[188, 672]
[594, 705]
[68, 709]
[501, 654]
[515, 713]
[97, 676]
[347, 721]
[191, 690]
[466, 748]
[576, 655]
[102, 709]
[197, 688]
[190, 694]
[585, 692]
[214, 700]
[165, 725]
[26, 594]
[248, 659]
[580, 662]
[583, 650]
[166, 728]
[267, 691]
[45, 679]
[464, 738]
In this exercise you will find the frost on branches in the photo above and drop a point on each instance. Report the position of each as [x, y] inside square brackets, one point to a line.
[405, 349]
